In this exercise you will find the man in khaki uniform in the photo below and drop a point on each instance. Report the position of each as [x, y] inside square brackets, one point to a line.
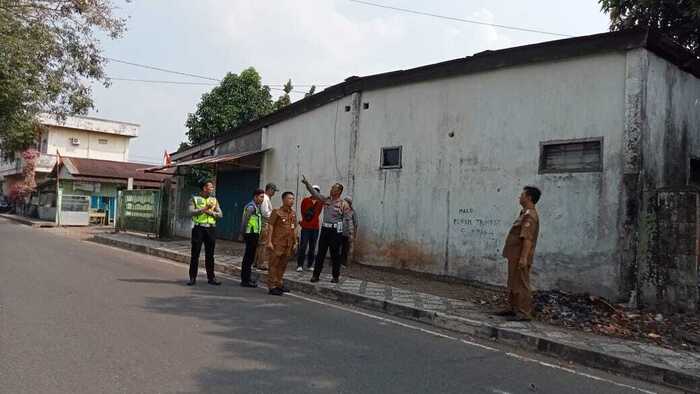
[281, 242]
[519, 250]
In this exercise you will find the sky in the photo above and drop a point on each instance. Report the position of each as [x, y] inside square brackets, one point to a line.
[319, 42]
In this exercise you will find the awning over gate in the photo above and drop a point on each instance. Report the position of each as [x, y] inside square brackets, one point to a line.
[207, 160]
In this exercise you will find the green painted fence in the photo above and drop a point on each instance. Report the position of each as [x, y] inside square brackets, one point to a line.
[140, 211]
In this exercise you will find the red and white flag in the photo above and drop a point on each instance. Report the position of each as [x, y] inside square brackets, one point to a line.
[166, 159]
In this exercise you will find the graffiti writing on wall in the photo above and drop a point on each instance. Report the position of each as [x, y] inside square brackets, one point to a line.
[470, 224]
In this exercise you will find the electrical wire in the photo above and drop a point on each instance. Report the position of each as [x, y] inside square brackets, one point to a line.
[475, 22]
[165, 70]
[162, 81]
[186, 83]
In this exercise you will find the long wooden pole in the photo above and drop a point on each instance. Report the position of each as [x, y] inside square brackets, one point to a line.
[58, 188]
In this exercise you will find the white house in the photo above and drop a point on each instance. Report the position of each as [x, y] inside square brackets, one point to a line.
[76, 136]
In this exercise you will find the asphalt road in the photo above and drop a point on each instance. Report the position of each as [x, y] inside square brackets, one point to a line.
[77, 317]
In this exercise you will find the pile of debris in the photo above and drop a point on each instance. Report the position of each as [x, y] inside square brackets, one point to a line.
[597, 315]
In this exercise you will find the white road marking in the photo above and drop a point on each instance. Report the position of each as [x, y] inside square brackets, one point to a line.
[583, 374]
[426, 331]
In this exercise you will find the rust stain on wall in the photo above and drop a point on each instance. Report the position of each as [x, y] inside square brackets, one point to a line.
[397, 254]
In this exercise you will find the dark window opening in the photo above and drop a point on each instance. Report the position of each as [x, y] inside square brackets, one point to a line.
[365, 105]
[391, 157]
[347, 108]
[572, 156]
[694, 178]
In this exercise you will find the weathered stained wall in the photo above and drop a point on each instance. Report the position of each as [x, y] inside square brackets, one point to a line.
[673, 121]
[247, 143]
[447, 210]
[667, 270]
[315, 144]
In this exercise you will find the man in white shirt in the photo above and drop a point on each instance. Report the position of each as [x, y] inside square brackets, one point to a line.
[266, 210]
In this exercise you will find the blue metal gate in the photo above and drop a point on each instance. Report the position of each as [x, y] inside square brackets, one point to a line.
[234, 189]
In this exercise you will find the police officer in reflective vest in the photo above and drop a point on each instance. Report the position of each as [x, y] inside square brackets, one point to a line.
[251, 224]
[205, 211]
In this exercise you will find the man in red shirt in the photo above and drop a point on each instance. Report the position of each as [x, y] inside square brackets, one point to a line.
[310, 211]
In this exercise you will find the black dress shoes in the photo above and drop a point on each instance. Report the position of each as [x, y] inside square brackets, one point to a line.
[192, 282]
[214, 282]
[276, 291]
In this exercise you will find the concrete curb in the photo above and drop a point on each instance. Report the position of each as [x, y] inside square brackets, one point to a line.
[27, 221]
[481, 329]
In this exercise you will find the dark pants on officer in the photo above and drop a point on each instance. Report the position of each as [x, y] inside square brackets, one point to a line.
[329, 239]
[344, 250]
[251, 246]
[308, 239]
[206, 235]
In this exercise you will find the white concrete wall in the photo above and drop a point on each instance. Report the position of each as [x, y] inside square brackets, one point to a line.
[314, 144]
[673, 123]
[86, 123]
[448, 209]
[116, 149]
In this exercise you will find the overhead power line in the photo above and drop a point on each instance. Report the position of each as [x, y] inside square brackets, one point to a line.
[162, 69]
[162, 81]
[475, 22]
[165, 70]
[158, 81]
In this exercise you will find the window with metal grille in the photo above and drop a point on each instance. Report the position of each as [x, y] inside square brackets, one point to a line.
[572, 156]
[102, 141]
[391, 157]
[694, 173]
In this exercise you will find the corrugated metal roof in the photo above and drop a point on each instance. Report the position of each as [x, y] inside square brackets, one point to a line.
[205, 160]
[79, 167]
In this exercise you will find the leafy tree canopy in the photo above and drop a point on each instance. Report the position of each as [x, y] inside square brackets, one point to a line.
[48, 54]
[237, 100]
[679, 19]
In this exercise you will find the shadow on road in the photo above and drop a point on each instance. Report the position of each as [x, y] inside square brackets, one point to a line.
[272, 343]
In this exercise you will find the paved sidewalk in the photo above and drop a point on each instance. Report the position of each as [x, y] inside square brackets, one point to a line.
[28, 221]
[638, 360]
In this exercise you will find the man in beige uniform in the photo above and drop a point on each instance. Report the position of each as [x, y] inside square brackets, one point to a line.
[519, 250]
[281, 242]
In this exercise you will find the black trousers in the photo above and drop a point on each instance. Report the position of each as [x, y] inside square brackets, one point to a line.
[206, 235]
[329, 239]
[308, 240]
[251, 245]
[344, 250]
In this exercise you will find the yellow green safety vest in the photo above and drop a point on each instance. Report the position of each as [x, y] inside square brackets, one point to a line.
[199, 203]
[254, 221]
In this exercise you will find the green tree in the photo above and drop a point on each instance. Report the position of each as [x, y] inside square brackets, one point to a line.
[679, 19]
[284, 100]
[48, 54]
[311, 91]
[239, 99]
